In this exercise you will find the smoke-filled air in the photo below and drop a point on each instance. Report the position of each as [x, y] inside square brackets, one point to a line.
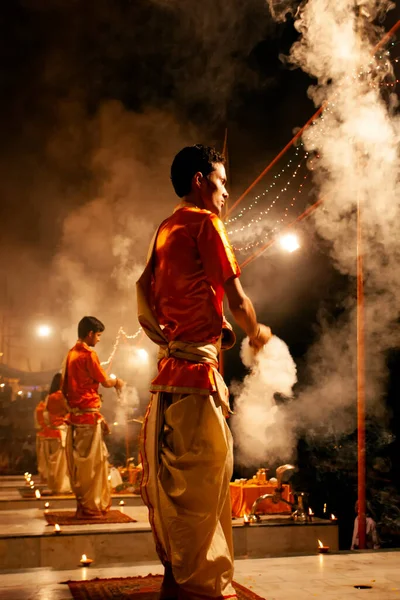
[356, 144]
[258, 425]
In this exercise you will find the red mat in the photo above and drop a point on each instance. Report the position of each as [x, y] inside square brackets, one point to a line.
[133, 588]
[67, 517]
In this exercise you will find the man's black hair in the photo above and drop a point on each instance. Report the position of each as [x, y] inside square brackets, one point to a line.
[55, 384]
[188, 162]
[88, 324]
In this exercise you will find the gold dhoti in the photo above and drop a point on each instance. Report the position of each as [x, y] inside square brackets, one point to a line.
[187, 459]
[87, 459]
[40, 459]
[57, 468]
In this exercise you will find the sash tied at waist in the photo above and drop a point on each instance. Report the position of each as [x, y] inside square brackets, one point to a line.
[199, 353]
[79, 411]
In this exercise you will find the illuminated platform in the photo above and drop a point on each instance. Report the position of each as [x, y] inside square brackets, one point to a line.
[26, 541]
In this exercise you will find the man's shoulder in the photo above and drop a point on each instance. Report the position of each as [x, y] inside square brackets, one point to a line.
[195, 218]
[83, 351]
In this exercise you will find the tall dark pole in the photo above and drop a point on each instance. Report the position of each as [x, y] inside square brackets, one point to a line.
[360, 384]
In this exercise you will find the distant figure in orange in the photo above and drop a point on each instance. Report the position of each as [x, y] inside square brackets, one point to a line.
[87, 454]
[51, 416]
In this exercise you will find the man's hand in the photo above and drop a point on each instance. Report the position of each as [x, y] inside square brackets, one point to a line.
[119, 384]
[261, 338]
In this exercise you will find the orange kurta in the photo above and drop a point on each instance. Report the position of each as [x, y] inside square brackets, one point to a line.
[193, 260]
[43, 419]
[82, 376]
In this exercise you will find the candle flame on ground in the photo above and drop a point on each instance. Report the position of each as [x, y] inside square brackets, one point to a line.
[310, 512]
[37, 494]
[57, 527]
[333, 517]
[320, 544]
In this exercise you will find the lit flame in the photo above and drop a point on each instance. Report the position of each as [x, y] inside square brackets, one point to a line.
[47, 504]
[310, 512]
[37, 494]
[333, 517]
[31, 483]
[84, 557]
[57, 527]
[325, 507]
[115, 423]
[112, 376]
[320, 544]
[122, 503]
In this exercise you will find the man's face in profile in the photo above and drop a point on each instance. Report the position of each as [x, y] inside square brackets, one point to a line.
[93, 338]
[213, 190]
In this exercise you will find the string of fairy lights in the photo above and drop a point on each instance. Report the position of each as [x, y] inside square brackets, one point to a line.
[253, 219]
[121, 335]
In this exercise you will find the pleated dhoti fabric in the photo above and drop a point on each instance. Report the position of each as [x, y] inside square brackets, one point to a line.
[41, 459]
[57, 468]
[187, 457]
[87, 459]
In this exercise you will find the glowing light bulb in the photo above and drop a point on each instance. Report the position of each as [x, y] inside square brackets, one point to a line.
[143, 354]
[289, 242]
[43, 330]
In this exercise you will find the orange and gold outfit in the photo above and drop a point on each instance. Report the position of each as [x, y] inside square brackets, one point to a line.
[51, 416]
[87, 453]
[186, 444]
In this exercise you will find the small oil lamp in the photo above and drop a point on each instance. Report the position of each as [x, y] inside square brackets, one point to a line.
[322, 549]
[57, 529]
[85, 561]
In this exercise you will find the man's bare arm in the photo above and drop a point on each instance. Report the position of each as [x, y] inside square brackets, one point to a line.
[244, 314]
[113, 382]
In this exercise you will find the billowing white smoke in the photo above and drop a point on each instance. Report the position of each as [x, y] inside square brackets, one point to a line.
[357, 140]
[260, 428]
[128, 400]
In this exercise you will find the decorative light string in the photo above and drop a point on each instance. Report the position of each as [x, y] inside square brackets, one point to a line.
[261, 239]
[245, 210]
[120, 335]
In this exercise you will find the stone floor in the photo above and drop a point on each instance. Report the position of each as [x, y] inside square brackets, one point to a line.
[329, 577]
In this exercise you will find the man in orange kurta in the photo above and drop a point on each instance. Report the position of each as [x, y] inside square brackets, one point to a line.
[87, 454]
[50, 415]
[186, 444]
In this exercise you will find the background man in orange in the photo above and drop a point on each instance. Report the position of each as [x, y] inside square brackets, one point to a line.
[186, 444]
[86, 451]
[53, 437]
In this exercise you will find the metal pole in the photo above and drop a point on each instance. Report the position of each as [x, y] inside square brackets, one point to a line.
[360, 384]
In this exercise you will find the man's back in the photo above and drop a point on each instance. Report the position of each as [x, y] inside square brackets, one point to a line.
[193, 259]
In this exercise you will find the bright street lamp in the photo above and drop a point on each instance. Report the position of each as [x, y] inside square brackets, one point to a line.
[43, 330]
[289, 242]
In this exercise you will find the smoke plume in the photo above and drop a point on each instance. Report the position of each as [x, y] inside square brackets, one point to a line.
[260, 428]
